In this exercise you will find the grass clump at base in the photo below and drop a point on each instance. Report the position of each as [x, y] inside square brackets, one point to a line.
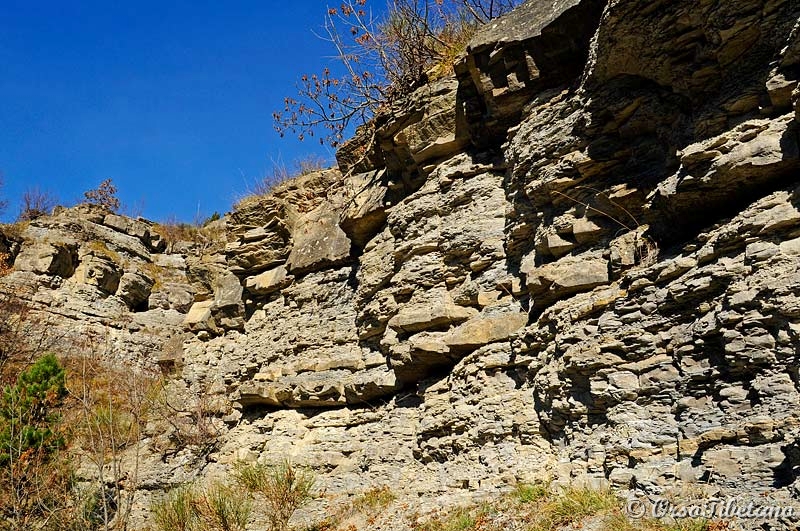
[215, 507]
[283, 487]
[175, 512]
[572, 505]
[373, 500]
[535, 507]
[620, 522]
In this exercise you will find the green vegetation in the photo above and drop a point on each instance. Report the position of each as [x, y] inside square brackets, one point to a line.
[33, 479]
[373, 500]
[365, 507]
[27, 418]
[459, 519]
[220, 506]
[530, 493]
[175, 512]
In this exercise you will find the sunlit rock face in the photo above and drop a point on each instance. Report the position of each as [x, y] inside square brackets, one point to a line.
[577, 259]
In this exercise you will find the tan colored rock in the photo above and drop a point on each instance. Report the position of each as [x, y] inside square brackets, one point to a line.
[269, 281]
[585, 230]
[565, 277]
[540, 62]
[484, 330]
[46, 259]
[100, 271]
[200, 317]
[435, 312]
[435, 132]
[227, 291]
[557, 245]
[365, 211]
[726, 168]
[132, 227]
[370, 385]
[135, 288]
[780, 90]
[318, 242]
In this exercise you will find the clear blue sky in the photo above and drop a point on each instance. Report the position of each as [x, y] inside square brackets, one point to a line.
[172, 100]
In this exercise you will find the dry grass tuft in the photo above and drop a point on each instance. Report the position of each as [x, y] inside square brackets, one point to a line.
[283, 487]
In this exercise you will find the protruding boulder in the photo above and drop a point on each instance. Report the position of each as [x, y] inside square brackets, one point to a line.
[269, 281]
[484, 330]
[435, 311]
[101, 271]
[426, 352]
[135, 288]
[132, 227]
[570, 275]
[725, 170]
[200, 318]
[227, 291]
[540, 45]
[365, 211]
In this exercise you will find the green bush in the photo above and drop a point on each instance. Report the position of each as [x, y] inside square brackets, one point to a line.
[26, 411]
[35, 479]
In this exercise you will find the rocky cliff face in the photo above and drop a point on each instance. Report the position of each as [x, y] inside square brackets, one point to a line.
[578, 259]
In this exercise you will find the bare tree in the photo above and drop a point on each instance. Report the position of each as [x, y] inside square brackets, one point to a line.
[111, 412]
[383, 58]
[35, 204]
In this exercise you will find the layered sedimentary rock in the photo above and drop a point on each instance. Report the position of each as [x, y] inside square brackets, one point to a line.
[578, 259]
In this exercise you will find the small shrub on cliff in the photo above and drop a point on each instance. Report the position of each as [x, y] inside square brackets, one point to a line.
[105, 195]
[197, 237]
[280, 173]
[220, 507]
[373, 500]
[283, 487]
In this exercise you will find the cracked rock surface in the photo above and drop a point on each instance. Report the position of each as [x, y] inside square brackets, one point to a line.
[578, 259]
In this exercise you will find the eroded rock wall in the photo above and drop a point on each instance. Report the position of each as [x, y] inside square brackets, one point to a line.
[578, 259]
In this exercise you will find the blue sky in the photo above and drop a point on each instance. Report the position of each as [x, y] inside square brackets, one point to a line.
[171, 100]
